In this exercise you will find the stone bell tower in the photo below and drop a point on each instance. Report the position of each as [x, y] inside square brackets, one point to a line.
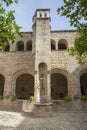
[41, 43]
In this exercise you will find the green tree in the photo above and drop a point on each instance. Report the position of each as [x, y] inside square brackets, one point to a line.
[8, 27]
[76, 11]
[8, 2]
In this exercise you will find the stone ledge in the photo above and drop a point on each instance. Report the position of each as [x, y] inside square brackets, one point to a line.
[43, 104]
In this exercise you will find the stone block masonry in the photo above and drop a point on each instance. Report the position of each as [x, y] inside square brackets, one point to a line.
[39, 65]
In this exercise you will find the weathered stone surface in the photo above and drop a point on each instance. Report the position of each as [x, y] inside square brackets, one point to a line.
[41, 58]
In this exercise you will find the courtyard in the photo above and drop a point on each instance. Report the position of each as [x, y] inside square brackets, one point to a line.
[62, 120]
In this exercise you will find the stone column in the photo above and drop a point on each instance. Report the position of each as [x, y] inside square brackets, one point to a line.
[7, 87]
[76, 90]
[25, 46]
[37, 88]
[70, 86]
[41, 41]
[48, 88]
[56, 45]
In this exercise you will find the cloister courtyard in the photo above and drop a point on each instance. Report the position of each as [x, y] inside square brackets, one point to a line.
[62, 120]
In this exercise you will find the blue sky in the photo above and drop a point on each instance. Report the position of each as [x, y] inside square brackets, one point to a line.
[24, 11]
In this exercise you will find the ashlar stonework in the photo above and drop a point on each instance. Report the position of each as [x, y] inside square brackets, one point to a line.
[39, 65]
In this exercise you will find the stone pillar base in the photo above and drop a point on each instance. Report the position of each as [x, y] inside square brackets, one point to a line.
[42, 109]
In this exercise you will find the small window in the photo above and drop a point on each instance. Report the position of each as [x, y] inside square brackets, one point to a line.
[45, 15]
[40, 15]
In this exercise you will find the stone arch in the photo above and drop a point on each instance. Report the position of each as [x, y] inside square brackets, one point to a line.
[24, 86]
[83, 82]
[29, 45]
[59, 84]
[79, 77]
[62, 44]
[7, 48]
[43, 82]
[18, 74]
[2, 83]
[53, 44]
[20, 46]
[60, 70]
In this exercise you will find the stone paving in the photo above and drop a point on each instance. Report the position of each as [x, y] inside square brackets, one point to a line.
[58, 121]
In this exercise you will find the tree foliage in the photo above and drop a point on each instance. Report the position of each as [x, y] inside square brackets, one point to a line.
[76, 11]
[8, 2]
[8, 27]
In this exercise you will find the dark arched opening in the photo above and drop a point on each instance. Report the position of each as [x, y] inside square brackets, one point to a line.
[58, 86]
[2, 82]
[83, 84]
[25, 86]
[62, 44]
[29, 45]
[20, 46]
[53, 44]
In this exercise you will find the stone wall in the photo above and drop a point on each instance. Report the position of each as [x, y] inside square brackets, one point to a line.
[43, 110]
[12, 65]
[68, 35]
[8, 105]
[26, 36]
[69, 106]
[44, 51]
[15, 63]
[63, 63]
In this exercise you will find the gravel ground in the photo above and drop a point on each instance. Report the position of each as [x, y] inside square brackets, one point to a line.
[59, 121]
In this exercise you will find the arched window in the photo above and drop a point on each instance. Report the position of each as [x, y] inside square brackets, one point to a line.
[53, 44]
[7, 47]
[20, 46]
[29, 45]
[62, 44]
